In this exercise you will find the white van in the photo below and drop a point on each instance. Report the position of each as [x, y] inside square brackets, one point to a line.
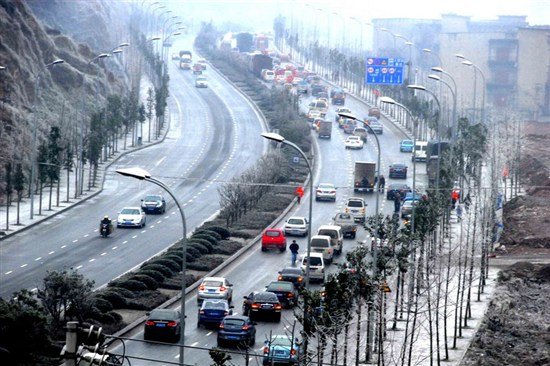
[316, 266]
[420, 149]
[322, 244]
[335, 234]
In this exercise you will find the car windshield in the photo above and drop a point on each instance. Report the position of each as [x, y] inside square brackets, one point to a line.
[212, 283]
[295, 221]
[406, 142]
[315, 261]
[326, 186]
[163, 314]
[320, 243]
[214, 305]
[292, 271]
[280, 286]
[344, 217]
[234, 322]
[355, 203]
[331, 233]
[280, 341]
[130, 211]
[152, 198]
[265, 296]
[272, 233]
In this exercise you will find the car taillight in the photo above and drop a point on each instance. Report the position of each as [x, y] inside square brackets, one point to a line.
[293, 352]
[225, 312]
[280, 278]
[278, 307]
[201, 288]
[201, 311]
[149, 323]
[300, 279]
[255, 306]
[266, 350]
[222, 288]
[319, 191]
[246, 327]
[290, 294]
[222, 326]
[172, 324]
[333, 192]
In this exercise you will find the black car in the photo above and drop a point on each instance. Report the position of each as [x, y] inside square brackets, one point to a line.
[236, 329]
[292, 274]
[162, 324]
[398, 170]
[154, 204]
[285, 291]
[394, 188]
[261, 303]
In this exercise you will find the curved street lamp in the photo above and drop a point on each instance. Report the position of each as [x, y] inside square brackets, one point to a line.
[34, 128]
[470, 63]
[280, 139]
[453, 93]
[142, 174]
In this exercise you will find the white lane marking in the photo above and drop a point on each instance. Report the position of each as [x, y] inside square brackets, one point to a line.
[96, 230]
[159, 221]
[113, 248]
[34, 289]
[160, 161]
[8, 272]
[39, 258]
[166, 217]
[63, 246]
[50, 253]
[86, 235]
[79, 267]
[194, 344]
[103, 253]
[135, 236]
[143, 231]
[91, 260]
[124, 242]
[207, 334]
[152, 226]
[74, 241]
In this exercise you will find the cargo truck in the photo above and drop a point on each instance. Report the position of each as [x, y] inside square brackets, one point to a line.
[324, 129]
[363, 176]
[261, 62]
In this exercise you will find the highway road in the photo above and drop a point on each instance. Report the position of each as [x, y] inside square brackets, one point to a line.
[255, 269]
[214, 136]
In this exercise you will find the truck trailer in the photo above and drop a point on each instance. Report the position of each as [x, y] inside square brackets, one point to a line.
[363, 176]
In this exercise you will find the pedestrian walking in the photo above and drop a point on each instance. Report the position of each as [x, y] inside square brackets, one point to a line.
[459, 213]
[455, 195]
[382, 184]
[294, 248]
[397, 202]
[299, 192]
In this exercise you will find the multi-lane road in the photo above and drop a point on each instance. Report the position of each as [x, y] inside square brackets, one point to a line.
[214, 136]
[255, 269]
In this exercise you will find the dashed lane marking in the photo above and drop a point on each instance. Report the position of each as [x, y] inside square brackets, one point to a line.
[24, 265]
[74, 241]
[91, 260]
[104, 253]
[86, 235]
[79, 267]
[63, 246]
[113, 248]
[124, 242]
[39, 258]
[135, 236]
[50, 253]
[8, 272]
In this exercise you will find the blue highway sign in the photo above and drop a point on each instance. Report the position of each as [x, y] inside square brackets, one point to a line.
[384, 70]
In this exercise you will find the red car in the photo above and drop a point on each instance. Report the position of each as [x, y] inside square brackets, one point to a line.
[273, 239]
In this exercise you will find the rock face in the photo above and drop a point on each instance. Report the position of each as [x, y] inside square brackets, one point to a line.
[516, 328]
[26, 46]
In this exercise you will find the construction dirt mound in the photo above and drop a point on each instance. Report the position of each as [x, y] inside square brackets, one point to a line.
[516, 327]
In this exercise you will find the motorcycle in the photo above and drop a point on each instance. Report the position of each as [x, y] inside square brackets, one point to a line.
[105, 229]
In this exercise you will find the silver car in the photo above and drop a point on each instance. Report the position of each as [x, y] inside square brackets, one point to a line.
[215, 288]
[296, 225]
[325, 191]
[131, 217]
[356, 207]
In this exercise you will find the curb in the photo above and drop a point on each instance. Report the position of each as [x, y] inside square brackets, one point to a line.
[91, 195]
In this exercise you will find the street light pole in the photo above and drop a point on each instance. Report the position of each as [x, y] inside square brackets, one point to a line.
[278, 138]
[34, 128]
[454, 122]
[142, 174]
[470, 63]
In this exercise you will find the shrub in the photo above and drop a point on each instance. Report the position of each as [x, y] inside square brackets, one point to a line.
[147, 300]
[150, 282]
[102, 305]
[227, 247]
[241, 234]
[202, 235]
[198, 266]
[173, 265]
[198, 246]
[167, 272]
[203, 242]
[133, 285]
[175, 257]
[224, 233]
[116, 300]
[108, 318]
[175, 283]
[207, 231]
[113, 286]
[158, 276]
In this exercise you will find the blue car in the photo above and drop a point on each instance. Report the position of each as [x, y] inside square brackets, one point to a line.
[281, 350]
[406, 146]
[237, 329]
[212, 312]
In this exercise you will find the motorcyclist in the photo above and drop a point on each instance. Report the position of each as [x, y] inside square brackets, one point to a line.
[107, 222]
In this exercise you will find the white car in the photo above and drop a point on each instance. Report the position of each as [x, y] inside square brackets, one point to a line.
[296, 225]
[354, 142]
[325, 191]
[131, 217]
[201, 82]
[215, 288]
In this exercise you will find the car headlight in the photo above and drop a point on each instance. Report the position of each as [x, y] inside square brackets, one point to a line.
[159, 204]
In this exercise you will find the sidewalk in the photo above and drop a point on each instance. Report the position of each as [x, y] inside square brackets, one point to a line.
[65, 203]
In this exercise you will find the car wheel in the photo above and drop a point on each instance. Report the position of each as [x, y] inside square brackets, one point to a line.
[278, 318]
[221, 343]
[283, 249]
[353, 235]
[198, 324]
[264, 249]
[252, 341]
